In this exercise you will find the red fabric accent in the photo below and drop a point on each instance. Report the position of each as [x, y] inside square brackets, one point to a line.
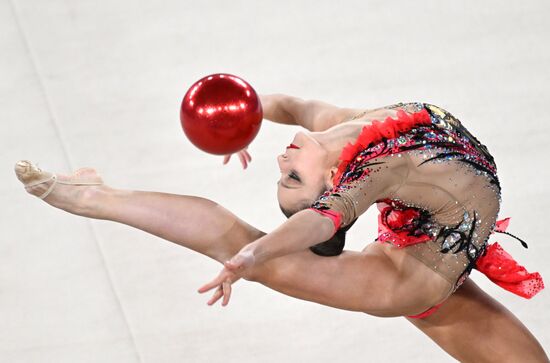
[504, 271]
[398, 219]
[397, 226]
[333, 215]
[502, 225]
[377, 131]
[426, 313]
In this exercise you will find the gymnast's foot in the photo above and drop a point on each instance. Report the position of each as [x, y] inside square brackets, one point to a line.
[73, 193]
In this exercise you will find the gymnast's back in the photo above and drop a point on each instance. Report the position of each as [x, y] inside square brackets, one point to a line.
[434, 183]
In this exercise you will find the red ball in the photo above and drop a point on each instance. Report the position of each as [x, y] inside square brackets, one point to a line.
[221, 114]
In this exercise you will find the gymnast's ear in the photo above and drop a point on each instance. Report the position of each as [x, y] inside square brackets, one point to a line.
[330, 176]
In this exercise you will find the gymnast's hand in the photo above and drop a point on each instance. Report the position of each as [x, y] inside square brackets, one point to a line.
[244, 156]
[233, 270]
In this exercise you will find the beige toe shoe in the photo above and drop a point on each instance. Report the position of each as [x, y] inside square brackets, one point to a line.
[31, 175]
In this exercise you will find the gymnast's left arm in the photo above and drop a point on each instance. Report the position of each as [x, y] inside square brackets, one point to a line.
[301, 231]
[304, 229]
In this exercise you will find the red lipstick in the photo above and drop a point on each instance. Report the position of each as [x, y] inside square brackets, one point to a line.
[292, 146]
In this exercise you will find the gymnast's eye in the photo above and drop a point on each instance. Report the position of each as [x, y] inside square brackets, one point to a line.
[293, 175]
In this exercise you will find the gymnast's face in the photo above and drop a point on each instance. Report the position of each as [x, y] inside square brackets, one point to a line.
[304, 173]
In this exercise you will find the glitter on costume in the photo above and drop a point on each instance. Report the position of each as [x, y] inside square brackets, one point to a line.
[438, 194]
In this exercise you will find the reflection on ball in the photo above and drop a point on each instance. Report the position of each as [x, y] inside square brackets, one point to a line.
[221, 114]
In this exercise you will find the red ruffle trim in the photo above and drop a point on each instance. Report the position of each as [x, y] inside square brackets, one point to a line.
[378, 131]
[504, 271]
[502, 225]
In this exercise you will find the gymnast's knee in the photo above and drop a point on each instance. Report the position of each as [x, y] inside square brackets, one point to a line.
[263, 273]
[255, 274]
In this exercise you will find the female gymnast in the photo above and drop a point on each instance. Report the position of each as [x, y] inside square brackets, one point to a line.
[438, 194]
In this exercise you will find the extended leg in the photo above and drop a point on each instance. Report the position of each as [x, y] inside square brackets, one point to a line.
[193, 222]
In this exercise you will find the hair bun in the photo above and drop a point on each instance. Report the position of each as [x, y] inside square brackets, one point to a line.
[335, 245]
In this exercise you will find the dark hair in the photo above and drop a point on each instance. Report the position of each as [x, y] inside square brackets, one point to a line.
[335, 245]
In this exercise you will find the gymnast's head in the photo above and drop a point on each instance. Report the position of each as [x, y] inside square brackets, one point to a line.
[305, 174]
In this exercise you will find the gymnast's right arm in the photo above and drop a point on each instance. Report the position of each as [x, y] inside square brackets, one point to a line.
[288, 110]
[310, 114]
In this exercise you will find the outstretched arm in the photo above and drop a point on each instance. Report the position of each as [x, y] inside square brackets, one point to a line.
[310, 114]
[304, 229]
[318, 115]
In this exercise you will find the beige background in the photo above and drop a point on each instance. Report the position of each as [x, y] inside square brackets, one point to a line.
[98, 83]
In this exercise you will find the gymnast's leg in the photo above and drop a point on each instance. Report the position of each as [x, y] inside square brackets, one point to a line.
[473, 327]
[193, 222]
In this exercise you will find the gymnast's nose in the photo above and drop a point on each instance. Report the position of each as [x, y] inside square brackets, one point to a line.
[282, 161]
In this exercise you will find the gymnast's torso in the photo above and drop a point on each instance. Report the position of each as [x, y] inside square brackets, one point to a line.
[434, 183]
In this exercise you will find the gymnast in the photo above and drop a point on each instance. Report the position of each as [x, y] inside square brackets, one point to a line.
[438, 194]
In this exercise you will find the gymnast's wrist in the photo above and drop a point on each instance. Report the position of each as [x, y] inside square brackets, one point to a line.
[248, 254]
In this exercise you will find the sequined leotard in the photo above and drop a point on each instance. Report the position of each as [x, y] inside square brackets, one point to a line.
[436, 188]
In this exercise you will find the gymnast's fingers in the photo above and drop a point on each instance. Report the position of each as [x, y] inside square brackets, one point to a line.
[247, 155]
[226, 286]
[214, 283]
[217, 295]
[244, 162]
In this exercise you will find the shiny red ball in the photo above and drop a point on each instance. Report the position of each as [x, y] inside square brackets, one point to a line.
[221, 114]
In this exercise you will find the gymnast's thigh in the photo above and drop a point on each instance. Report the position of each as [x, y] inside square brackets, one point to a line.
[351, 281]
[419, 283]
[367, 281]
